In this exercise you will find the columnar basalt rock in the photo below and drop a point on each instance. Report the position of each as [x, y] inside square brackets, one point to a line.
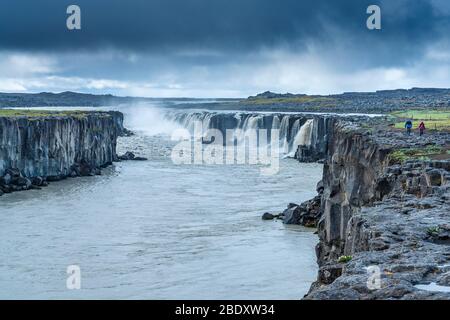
[384, 216]
[351, 170]
[56, 146]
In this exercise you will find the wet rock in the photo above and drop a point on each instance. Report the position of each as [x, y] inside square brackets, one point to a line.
[38, 181]
[306, 214]
[292, 205]
[6, 179]
[292, 215]
[131, 156]
[320, 187]
[126, 133]
[22, 182]
[435, 177]
[268, 216]
[14, 173]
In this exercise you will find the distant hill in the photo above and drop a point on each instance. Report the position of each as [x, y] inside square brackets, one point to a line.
[366, 102]
[69, 98]
[66, 98]
[348, 102]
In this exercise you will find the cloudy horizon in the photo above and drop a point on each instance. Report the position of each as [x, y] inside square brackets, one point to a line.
[233, 48]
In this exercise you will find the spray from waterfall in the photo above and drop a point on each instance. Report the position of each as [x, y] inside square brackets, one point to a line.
[303, 137]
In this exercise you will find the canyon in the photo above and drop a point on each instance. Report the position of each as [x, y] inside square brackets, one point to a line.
[36, 148]
[374, 211]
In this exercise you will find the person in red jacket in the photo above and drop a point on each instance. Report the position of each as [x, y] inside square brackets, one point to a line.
[422, 128]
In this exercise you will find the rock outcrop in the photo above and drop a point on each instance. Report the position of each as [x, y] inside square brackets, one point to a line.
[383, 231]
[36, 149]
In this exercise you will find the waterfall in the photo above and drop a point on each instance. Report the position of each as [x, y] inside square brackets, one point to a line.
[291, 132]
[303, 137]
[276, 122]
[284, 128]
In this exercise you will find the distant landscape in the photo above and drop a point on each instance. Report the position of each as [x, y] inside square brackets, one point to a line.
[361, 102]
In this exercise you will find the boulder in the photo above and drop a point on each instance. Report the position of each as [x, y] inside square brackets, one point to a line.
[6, 179]
[292, 215]
[320, 187]
[435, 177]
[127, 156]
[267, 216]
[37, 181]
[13, 172]
[131, 156]
[23, 182]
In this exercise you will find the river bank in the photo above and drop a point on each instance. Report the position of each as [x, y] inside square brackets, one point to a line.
[382, 211]
[38, 147]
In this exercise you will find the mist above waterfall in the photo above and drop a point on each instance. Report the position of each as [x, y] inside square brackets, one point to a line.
[149, 120]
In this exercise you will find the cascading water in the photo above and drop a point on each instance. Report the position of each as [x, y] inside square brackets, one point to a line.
[284, 129]
[303, 137]
[291, 131]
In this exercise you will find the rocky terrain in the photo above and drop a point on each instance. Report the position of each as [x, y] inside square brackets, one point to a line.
[382, 213]
[383, 101]
[36, 148]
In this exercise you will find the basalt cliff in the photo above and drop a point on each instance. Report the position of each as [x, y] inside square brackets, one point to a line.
[36, 148]
[384, 227]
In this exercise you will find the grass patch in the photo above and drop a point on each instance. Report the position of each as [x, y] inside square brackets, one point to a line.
[344, 259]
[401, 155]
[35, 114]
[433, 119]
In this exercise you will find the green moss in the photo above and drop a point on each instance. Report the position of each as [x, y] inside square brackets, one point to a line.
[404, 154]
[344, 259]
[433, 231]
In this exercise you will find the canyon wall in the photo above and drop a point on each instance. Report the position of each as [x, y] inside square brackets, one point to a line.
[383, 228]
[351, 171]
[55, 146]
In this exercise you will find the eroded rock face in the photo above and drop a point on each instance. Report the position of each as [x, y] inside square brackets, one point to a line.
[390, 218]
[350, 176]
[34, 150]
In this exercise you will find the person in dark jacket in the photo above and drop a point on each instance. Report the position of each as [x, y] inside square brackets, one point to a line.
[422, 128]
[408, 126]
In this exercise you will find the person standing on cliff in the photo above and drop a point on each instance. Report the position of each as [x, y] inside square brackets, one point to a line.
[408, 126]
[421, 128]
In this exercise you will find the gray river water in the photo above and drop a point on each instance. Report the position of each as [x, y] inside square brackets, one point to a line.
[155, 230]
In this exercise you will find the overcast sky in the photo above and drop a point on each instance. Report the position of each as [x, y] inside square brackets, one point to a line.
[223, 48]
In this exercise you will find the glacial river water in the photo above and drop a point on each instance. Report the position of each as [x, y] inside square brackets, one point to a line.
[155, 230]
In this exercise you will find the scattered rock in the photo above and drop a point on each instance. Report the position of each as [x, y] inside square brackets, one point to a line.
[131, 156]
[268, 216]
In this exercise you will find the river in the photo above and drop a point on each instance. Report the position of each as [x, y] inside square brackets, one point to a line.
[156, 230]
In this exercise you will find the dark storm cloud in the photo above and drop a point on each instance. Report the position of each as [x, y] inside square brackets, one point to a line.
[225, 25]
[223, 47]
